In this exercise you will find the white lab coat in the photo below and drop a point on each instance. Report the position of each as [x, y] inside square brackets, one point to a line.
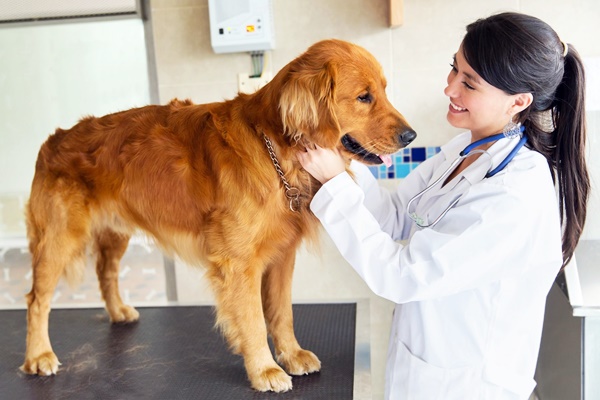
[471, 291]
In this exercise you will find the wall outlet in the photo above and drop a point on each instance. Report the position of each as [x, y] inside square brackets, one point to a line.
[250, 85]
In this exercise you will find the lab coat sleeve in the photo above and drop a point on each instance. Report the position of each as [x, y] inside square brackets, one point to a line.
[461, 253]
[339, 206]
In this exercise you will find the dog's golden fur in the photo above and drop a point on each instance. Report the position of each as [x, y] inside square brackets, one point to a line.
[200, 181]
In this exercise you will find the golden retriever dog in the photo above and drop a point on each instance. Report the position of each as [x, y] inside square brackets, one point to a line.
[217, 184]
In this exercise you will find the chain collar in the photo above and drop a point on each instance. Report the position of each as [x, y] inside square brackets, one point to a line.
[292, 193]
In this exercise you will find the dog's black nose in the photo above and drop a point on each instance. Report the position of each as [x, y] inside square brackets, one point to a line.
[407, 136]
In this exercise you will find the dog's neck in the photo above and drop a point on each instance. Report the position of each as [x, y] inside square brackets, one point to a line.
[299, 186]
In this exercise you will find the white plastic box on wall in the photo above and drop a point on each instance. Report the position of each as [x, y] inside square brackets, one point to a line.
[241, 25]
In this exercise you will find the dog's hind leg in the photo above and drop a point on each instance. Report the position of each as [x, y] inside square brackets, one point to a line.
[277, 306]
[58, 230]
[240, 316]
[109, 248]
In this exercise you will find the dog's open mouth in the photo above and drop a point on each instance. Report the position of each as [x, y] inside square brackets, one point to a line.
[353, 146]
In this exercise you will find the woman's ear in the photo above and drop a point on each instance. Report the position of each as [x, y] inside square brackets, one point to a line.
[520, 102]
[307, 104]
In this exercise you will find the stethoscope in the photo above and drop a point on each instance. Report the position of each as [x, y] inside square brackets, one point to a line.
[468, 151]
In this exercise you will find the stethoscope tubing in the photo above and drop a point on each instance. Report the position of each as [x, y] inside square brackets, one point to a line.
[468, 151]
[448, 171]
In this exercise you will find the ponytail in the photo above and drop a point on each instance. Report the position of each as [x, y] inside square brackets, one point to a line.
[568, 159]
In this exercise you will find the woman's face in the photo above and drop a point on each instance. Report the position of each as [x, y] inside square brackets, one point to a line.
[475, 104]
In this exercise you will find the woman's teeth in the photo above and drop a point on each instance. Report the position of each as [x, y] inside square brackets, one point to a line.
[457, 108]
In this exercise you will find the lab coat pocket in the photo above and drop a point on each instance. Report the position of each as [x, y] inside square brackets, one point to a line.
[414, 379]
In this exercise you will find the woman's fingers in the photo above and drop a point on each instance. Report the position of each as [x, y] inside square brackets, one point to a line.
[322, 164]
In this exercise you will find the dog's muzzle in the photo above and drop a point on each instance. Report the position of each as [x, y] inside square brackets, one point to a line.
[353, 146]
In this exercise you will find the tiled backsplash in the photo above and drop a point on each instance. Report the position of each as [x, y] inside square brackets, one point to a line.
[404, 161]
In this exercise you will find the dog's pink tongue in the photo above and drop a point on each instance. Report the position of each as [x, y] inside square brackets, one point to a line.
[387, 159]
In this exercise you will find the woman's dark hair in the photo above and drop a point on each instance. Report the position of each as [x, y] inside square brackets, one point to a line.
[519, 53]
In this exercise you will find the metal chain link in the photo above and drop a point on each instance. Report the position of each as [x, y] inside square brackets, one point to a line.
[292, 193]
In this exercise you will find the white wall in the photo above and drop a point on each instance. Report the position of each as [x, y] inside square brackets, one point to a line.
[415, 56]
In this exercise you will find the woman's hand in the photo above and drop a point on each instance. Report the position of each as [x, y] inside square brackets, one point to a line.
[322, 164]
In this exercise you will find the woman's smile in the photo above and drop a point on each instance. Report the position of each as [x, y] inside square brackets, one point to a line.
[456, 109]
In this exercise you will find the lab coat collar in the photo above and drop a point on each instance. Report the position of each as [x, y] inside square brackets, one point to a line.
[475, 172]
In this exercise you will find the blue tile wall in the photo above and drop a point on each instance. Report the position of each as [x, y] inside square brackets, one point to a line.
[404, 161]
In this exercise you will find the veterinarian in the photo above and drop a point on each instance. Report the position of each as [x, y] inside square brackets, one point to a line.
[485, 234]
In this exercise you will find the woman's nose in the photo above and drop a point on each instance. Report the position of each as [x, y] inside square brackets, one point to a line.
[450, 90]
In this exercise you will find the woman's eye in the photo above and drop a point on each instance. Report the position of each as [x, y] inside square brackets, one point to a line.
[365, 98]
[453, 67]
[468, 86]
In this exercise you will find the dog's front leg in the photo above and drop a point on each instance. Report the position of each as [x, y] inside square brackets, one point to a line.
[241, 319]
[277, 306]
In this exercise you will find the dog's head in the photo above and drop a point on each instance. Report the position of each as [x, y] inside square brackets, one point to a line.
[334, 96]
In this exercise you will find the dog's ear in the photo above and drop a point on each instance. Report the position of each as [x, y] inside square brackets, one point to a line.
[307, 103]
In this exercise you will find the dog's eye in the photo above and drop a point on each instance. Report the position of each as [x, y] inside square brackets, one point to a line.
[365, 98]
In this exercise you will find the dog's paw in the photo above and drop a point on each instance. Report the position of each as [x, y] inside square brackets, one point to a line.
[45, 364]
[123, 314]
[271, 379]
[301, 362]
